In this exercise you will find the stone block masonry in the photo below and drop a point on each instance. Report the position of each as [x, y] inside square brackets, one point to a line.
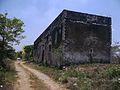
[74, 38]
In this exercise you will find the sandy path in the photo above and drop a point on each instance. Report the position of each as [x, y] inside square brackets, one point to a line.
[47, 80]
[23, 82]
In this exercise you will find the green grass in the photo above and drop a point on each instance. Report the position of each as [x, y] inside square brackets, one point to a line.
[10, 79]
[85, 77]
[7, 76]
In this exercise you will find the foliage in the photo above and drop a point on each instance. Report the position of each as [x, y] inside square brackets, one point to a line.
[7, 75]
[113, 72]
[85, 77]
[28, 52]
[10, 33]
[19, 54]
[115, 51]
[116, 84]
[11, 30]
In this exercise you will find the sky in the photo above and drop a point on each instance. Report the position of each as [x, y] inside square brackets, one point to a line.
[38, 14]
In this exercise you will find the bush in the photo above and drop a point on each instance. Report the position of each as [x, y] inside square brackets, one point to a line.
[113, 72]
[116, 84]
[7, 74]
[9, 65]
[2, 76]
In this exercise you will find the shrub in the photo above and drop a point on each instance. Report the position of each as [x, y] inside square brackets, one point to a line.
[7, 74]
[116, 84]
[113, 72]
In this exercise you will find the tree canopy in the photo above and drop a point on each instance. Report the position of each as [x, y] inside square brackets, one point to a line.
[28, 52]
[19, 54]
[115, 52]
[11, 30]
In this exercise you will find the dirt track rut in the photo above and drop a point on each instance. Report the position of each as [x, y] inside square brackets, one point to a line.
[23, 78]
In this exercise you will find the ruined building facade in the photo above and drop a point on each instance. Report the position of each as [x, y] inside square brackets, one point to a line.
[74, 38]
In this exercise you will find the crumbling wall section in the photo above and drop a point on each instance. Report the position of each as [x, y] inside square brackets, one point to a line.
[48, 47]
[74, 38]
[87, 39]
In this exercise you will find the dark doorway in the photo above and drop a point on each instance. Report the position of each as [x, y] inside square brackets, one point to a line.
[91, 55]
[43, 55]
[49, 54]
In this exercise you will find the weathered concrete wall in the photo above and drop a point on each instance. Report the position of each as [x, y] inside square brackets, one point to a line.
[87, 39]
[48, 46]
[74, 38]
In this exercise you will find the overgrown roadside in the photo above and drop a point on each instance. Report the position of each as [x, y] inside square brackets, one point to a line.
[85, 77]
[7, 75]
[46, 79]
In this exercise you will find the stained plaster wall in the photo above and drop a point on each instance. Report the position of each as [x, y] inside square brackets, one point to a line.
[74, 38]
[87, 39]
[48, 47]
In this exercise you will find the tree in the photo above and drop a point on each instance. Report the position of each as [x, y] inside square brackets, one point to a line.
[19, 54]
[11, 30]
[28, 52]
[116, 52]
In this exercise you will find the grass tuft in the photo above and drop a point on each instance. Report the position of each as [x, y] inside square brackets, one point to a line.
[85, 77]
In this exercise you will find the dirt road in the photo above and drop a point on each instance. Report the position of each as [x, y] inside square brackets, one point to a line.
[24, 82]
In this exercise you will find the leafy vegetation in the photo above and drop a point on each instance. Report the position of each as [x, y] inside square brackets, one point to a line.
[7, 76]
[19, 54]
[28, 52]
[11, 30]
[10, 33]
[85, 77]
[115, 52]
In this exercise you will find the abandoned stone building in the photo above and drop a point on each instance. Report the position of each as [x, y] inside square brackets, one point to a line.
[74, 38]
